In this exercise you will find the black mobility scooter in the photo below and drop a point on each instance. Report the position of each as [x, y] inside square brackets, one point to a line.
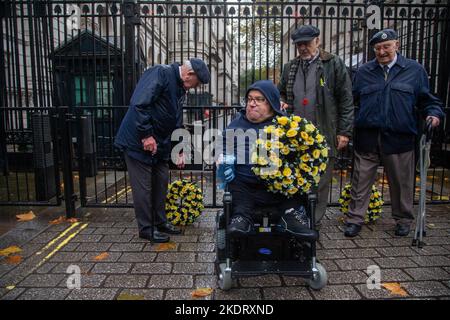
[267, 250]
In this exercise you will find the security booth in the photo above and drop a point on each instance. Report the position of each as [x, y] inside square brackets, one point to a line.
[88, 73]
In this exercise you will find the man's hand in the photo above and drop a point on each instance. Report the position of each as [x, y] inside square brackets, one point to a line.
[149, 144]
[181, 161]
[434, 121]
[342, 142]
[283, 105]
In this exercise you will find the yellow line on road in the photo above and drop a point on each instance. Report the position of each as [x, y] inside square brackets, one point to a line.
[62, 244]
[57, 238]
[118, 194]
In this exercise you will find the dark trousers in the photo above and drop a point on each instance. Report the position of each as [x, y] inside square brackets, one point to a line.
[149, 188]
[400, 174]
[246, 197]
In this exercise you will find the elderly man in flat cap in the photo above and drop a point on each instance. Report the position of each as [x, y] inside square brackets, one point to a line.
[390, 92]
[145, 137]
[316, 86]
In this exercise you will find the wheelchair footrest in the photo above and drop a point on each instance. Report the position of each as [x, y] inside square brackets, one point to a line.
[254, 268]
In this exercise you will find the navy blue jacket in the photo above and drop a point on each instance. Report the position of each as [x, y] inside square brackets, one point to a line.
[243, 171]
[391, 108]
[155, 110]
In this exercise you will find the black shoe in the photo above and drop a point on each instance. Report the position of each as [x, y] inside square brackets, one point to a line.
[157, 237]
[402, 230]
[168, 228]
[296, 222]
[239, 225]
[352, 230]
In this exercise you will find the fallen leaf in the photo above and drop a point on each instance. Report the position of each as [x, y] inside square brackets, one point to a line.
[72, 220]
[395, 288]
[127, 296]
[341, 219]
[13, 259]
[166, 246]
[101, 256]
[10, 250]
[431, 225]
[201, 292]
[10, 287]
[26, 216]
[61, 219]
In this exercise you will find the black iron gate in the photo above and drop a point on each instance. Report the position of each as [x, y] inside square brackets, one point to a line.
[68, 69]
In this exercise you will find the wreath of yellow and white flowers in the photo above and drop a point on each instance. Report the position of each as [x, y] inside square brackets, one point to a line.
[291, 157]
[375, 204]
[184, 202]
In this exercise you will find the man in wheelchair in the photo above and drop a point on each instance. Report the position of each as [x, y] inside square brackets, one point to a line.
[247, 190]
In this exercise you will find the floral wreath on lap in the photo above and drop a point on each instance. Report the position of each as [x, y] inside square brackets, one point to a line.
[375, 204]
[292, 156]
[184, 202]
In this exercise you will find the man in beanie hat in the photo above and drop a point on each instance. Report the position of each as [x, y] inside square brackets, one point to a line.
[247, 189]
[388, 92]
[316, 86]
[156, 110]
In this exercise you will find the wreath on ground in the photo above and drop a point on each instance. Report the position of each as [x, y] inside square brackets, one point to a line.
[375, 204]
[184, 202]
[291, 157]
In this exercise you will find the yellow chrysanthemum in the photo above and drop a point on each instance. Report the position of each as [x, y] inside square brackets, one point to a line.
[319, 138]
[279, 132]
[293, 190]
[323, 166]
[316, 154]
[305, 167]
[262, 161]
[314, 171]
[296, 118]
[277, 144]
[291, 133]
[303, 147]
[325, 152]
[294, 124]
[305, 157]
[309, 127]
[285, 150]
[282, 120]
[304, 135]
[269, 129]
[287, 172]
[309, 141]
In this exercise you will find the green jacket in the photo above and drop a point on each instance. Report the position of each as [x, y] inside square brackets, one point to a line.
[334, 96]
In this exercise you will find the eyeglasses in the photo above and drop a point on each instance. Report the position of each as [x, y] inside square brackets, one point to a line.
[257, 100]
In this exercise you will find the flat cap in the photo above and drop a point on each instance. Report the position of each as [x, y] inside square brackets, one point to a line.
[305, 33]
[200, 69]
[383, 35]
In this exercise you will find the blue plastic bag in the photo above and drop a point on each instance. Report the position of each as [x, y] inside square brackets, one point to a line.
[225, 170]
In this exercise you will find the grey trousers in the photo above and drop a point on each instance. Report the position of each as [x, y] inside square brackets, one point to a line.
[149, 189]
[400, 174]
[323, 190]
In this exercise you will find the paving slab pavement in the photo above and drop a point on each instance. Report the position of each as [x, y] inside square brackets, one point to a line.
[132, 267]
